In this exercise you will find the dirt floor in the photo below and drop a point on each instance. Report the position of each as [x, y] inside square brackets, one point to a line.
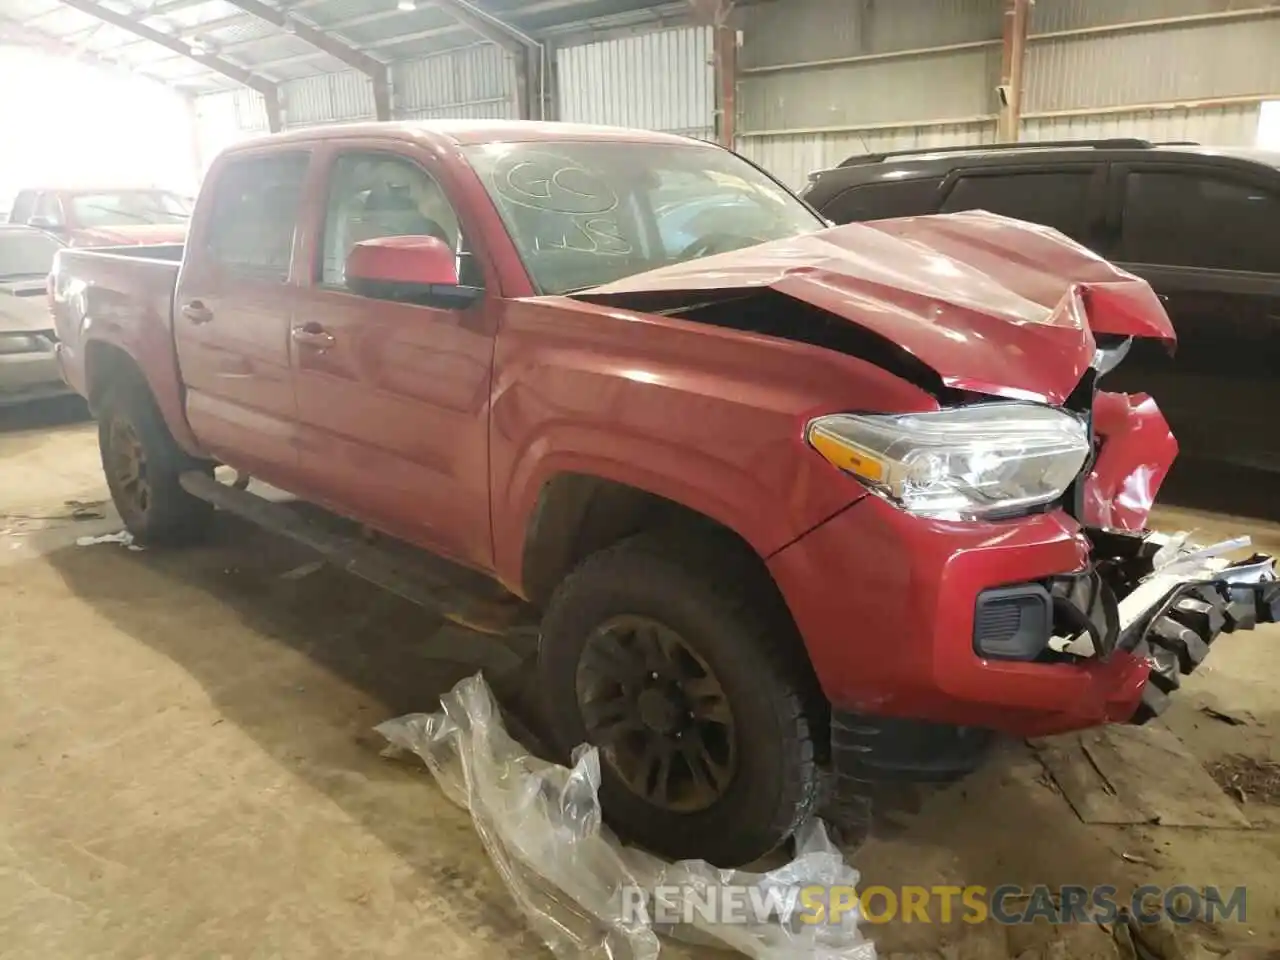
[188, 769]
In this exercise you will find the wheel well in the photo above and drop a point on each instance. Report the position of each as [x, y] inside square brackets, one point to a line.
[578, 515]
[105, 364]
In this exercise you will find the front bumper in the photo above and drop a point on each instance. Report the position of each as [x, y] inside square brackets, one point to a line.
[887, 604]
[30, 376]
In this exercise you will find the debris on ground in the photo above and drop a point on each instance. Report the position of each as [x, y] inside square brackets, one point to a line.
[305, 570]
[584, 893]
[1223, 717]
[122, 537]
[1247, 778]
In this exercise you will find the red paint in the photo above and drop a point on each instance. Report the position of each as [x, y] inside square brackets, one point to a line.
[402, 260]
[1137, 452]
[885, 602]
[442, 426]
[126, 236]
[995, 306]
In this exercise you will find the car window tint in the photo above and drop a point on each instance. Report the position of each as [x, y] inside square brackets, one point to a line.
[375, 195]
[1199, 220]
[255, 209]
[883, 200]
[1058, 199]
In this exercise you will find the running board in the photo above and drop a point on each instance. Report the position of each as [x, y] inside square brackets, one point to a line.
[391, 571]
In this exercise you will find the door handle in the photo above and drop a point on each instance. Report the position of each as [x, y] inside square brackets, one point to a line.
[197, 312]
[312, 335]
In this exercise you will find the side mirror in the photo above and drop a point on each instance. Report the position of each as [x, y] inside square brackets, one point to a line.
[46, 223]
[420, 270]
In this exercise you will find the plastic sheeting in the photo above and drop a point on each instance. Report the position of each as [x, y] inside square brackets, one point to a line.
[541, 825]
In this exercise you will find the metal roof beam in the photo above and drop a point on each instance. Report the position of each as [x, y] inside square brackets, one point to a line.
[268, 88]
[528, 54]
[487, 25]
[371, 67]
[11, 31]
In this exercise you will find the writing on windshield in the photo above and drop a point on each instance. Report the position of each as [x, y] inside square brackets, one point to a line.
[584, 213]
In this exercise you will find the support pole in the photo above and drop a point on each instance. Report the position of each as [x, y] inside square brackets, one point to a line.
[1012, 58]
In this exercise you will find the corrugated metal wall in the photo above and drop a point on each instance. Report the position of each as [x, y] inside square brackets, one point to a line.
[1163, 69]
[822, 79]
[328, 98]
[476, 83]
[657, 81]
[224, 118]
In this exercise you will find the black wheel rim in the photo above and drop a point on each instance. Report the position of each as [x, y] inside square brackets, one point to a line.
[658, 714]
[128, 464]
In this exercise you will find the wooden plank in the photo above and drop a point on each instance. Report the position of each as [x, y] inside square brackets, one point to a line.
[1130, 775]
[1150, 768]
[1090, 795]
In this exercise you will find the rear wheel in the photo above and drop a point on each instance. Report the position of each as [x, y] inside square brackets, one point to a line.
[142, 463]
[677, 659]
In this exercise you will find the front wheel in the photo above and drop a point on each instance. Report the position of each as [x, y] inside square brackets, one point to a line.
[686, 674]
[142, 463]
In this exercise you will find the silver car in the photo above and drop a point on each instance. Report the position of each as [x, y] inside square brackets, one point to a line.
[28, 366]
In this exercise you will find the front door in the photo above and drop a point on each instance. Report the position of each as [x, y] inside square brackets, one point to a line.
[393, 397]
[232, 314]
[1208, 242]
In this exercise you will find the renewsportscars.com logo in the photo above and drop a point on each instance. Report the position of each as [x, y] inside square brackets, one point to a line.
[1007, 904]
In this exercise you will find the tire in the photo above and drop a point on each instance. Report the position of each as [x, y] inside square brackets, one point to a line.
[719, 602]
[154, 507]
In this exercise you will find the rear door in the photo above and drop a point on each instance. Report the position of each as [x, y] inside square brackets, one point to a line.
[1066, 196]
[233, 310]
[393, 397]
[1207, 238]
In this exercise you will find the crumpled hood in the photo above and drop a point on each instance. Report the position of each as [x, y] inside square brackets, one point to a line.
[136, 234]
[992, 305]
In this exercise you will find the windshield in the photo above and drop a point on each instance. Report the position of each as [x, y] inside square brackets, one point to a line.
[26, 253]
[584, 213]
[129, 207]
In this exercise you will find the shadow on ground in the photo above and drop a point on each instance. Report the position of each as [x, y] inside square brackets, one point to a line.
[306, 665]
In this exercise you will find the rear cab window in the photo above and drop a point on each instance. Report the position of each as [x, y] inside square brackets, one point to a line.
[1198, 218]
[254, 214]
[1065, 199]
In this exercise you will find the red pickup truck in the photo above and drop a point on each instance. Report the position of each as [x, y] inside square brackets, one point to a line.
[784, 497]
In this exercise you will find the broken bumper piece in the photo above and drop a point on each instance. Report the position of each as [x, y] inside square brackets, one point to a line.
[1175, 600]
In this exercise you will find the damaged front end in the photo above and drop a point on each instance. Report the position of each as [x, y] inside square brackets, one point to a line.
[1010, 328]
[1159, 599]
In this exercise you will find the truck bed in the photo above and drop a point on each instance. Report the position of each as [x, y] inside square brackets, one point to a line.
[126, 295]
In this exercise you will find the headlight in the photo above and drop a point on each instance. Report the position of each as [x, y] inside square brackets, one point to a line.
[964, 463]
[11, 343]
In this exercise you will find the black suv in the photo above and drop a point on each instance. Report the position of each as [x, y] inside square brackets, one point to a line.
[1201, 224]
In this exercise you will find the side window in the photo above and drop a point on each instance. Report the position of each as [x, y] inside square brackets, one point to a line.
[1058, 199]
[1199, 220]
[24, 207]
[883, 200]
[49, 207]
[375, 195]
[255, 209]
